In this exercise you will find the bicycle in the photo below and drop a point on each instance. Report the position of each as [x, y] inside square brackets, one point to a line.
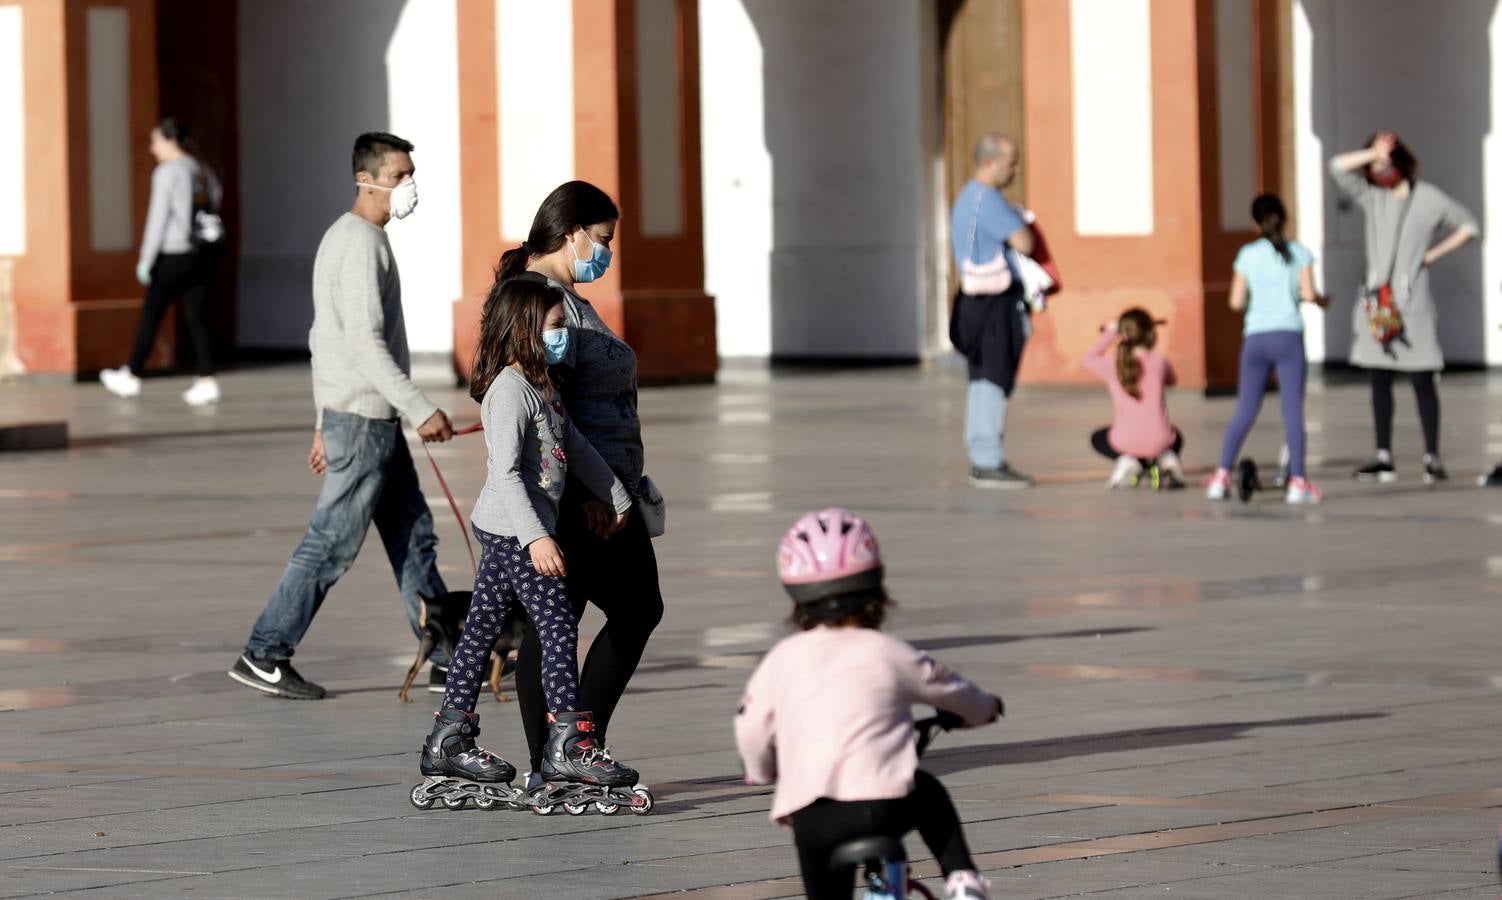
[883, 858]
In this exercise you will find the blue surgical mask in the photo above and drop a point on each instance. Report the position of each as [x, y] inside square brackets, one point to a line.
[587, 270]
[555, 345]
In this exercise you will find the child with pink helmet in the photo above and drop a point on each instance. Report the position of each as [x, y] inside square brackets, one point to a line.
[827, 715]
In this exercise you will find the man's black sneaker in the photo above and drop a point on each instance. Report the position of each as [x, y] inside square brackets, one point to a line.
[438, 679]
[1434, 470]
[276, 677]
[1492, 478]
[1004, 477]
[1376, 469]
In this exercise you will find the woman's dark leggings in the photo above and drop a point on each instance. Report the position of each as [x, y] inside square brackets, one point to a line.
[1100, 441]
[618, 575]
[174, 275]
[824, 824]
[1424, 390]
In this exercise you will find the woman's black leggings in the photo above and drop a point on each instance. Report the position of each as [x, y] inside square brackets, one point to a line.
[824, 824]
[618, 575]
[1424, 391]
[174, 275]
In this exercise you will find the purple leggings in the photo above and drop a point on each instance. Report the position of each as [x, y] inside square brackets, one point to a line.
[1260, 355]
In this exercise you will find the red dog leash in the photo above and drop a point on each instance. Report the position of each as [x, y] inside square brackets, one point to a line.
[453, 504]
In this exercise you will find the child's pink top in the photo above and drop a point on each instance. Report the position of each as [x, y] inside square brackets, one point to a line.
[1140, 427]
[828, 713]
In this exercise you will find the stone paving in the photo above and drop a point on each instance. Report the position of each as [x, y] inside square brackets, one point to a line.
[1204, 701]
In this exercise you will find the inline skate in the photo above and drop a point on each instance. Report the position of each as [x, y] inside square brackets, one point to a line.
[577, 772]
[456, 771]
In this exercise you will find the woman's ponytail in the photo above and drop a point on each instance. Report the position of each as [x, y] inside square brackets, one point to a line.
[1271, 218]
[513, 262]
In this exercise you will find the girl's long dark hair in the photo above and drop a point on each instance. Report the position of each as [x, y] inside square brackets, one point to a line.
[1137, 329]
[574, 204]
[1271, 217]
[511, 332]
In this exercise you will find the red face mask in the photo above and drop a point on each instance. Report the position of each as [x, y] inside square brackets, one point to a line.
[1390, 177]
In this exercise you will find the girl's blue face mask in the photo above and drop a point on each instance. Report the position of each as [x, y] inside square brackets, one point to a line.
[587, 270]
[555, 345]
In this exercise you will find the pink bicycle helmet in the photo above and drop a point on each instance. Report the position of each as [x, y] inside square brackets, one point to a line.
[828, 553]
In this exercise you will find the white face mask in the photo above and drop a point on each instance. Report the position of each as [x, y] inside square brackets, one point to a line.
[403, 196]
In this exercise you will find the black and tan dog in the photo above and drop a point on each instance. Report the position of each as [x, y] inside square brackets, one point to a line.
[442, 621]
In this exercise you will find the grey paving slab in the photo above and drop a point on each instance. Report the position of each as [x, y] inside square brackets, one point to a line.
[1186, 682]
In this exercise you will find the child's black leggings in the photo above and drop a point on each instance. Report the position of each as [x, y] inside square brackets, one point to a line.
[1100, 441]
[824, 824]
[1424, 391]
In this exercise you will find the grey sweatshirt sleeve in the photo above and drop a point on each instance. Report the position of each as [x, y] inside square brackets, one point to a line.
[1351, 182]
[171, 199]
[358, 300]
[585, 461]
[1453, 216]
[510, 415]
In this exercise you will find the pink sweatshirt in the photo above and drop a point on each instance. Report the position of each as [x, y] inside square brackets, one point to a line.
[828, 713]
[1140, 427]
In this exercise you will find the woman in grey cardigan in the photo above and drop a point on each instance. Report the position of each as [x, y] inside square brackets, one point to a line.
[1403, 218]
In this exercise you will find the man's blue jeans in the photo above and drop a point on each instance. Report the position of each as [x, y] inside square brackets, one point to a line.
[985, 424]
[370, 478]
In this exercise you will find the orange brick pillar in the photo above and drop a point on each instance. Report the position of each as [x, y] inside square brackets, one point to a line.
[636, 136]
[1133, 174]
[90, 74]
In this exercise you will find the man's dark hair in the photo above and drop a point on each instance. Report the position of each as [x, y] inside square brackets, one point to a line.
[371, 149]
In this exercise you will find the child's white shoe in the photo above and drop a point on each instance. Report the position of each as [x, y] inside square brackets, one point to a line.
[966, 884]
[1218, 486]
[1126, 471]
[121, 382]
[1302, 492]
[202, 392]
[1170, 465]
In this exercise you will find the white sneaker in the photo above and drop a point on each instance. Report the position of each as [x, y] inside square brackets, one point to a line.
[1127, 469]
[1170, 465]
[1218, 486]
[121, 382]
[203, 392]
[1300, 491]
[966, 885]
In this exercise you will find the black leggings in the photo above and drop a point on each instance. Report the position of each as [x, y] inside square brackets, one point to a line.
[1424, 391]
[173, 275]
[1100, 440]
[823, 824]
[619, 576]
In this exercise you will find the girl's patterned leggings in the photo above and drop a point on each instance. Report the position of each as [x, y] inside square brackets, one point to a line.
[506, 578]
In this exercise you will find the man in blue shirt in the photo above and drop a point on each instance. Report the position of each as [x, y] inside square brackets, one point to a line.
[990, 328]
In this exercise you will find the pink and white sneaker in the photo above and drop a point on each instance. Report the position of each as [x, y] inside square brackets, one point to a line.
[966, 884]
[1218, 486]
[1301, 491]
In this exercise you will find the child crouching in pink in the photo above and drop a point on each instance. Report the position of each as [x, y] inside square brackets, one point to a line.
[1140, 433]
[827, 714]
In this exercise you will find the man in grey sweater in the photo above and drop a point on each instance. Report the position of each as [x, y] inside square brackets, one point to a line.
[362, 387]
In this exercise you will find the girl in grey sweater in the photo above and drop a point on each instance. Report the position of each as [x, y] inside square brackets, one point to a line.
[532, 446]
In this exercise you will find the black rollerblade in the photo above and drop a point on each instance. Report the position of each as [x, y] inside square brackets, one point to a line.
[578, 771]
[457, 771]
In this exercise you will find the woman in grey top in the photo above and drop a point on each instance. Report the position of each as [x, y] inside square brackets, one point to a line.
[569, 245]
[1404, 217]
[179, 253]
